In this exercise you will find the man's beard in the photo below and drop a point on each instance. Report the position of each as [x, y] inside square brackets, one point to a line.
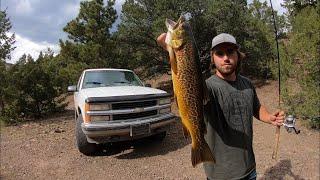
[226, 70]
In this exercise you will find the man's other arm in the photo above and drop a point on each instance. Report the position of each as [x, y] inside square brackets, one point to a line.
[275, 118]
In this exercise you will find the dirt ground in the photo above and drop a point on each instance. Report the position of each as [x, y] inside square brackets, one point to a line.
[46, 150]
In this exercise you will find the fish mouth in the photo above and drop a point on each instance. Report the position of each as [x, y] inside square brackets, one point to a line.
[170, 24]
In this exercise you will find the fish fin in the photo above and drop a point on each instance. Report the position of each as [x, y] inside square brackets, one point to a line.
[176, 100]
[175, 96]
[201, 154]
[186, 133]
[173, 60]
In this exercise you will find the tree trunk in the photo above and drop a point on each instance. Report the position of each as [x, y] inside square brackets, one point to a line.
[1, 107]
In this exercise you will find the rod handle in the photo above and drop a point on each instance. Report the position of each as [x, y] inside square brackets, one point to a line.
[276, 146]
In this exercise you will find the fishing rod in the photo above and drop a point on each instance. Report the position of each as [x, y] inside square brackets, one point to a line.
[276, 147]
[290, 120]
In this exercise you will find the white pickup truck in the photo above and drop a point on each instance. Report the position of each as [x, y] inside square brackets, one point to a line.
[114, 105]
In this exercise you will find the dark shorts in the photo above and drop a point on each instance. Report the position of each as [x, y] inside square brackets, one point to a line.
[251, 176]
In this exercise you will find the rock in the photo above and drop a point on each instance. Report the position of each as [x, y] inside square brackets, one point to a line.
[59, 130]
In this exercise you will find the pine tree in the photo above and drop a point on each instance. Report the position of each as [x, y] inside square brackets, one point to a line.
[89, 35]
[142, 21]
[6, 46]
[304, 50]
[6, 40]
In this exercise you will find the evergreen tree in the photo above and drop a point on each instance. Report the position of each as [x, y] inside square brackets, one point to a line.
[304, 50]
[262, 46]
[90, 41]
[142, 21]
[33, 89]
[295, 6]
[234, 17]
[6, 46]
[6, 41]
[2, 85]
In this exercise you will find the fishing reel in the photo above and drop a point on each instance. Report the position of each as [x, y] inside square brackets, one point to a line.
[290, 124]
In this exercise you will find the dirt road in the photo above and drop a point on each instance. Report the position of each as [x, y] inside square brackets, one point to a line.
[46, 150]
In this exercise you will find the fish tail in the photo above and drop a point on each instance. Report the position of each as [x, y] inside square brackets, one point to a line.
[201, 154]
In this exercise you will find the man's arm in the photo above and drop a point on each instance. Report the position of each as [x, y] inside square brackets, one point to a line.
[276, 118]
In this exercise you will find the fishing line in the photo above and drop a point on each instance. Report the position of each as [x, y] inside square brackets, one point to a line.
[278, 54]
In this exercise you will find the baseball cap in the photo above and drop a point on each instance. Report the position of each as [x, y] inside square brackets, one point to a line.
[223, 38]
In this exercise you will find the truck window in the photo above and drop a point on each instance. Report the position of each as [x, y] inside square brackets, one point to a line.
[104, 78]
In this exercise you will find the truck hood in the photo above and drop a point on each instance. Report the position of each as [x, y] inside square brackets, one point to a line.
[119, 91]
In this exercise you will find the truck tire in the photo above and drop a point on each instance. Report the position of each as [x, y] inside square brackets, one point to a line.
[82, 144]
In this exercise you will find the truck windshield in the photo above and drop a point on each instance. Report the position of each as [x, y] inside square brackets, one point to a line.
[103, 78]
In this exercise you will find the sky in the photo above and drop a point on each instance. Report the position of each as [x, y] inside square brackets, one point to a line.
[38, 24]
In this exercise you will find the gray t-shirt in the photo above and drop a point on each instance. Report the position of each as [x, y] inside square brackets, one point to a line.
[228, 118]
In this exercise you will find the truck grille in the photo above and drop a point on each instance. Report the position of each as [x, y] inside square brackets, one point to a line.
[130, 105]
[134, 115]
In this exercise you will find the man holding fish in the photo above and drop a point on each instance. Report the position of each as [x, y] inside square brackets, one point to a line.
[217, 113]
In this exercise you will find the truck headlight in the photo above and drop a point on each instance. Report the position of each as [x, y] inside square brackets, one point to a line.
[99, 107]
[96, 107]
[165, 101]
[165, 110]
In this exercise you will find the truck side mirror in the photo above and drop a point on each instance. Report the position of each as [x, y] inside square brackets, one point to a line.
[147, 85]
[72, 88]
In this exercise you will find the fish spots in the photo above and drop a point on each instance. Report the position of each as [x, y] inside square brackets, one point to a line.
[187, 82]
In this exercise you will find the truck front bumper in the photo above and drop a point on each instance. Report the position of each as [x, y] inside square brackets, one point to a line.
[112, 131]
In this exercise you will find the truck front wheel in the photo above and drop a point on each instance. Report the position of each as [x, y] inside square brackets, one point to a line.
[82, 144]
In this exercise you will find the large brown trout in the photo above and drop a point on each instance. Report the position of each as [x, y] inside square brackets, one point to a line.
[188, 86]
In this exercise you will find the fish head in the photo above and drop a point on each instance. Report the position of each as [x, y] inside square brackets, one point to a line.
[178, 32]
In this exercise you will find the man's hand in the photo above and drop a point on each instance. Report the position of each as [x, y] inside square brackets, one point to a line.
[161, 41]
[277, 118]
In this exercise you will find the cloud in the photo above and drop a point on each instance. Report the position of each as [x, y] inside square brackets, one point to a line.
[38, 24]
[70, 9]
[41, 20]
[26, 46]
[23, 7]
